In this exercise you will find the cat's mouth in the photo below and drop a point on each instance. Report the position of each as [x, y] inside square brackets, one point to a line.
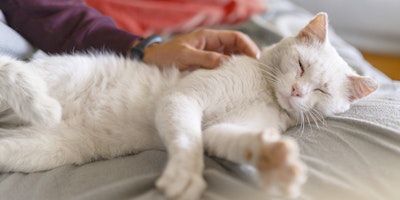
[284, 101]
[288, 103]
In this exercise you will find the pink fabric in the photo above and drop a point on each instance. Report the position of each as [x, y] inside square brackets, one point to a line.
[146, 17]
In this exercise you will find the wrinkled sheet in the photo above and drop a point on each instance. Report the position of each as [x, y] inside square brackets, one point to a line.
[352, 156]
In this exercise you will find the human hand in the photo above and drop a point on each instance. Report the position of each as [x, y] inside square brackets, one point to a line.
[200, 49]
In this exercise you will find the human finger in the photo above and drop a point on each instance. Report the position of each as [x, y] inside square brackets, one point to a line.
[201, 59]
[229, 42]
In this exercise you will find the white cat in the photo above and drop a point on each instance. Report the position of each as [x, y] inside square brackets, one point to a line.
[73, 109]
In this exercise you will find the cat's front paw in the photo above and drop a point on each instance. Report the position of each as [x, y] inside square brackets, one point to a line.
[279, 165]
[177, 183]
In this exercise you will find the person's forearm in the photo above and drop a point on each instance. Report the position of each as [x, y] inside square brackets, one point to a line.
[65, 26]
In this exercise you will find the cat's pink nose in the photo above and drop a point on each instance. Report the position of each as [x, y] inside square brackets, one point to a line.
[296, 91]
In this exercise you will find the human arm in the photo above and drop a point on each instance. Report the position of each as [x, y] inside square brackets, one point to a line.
[57, 26]
[200, 49]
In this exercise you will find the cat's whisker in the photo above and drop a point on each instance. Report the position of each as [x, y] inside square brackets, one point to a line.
[304, 121]
[272, 71]
[300, 121]
[314, 118]
[308, 120]
[306, 115]
[271, 77]
[319, 117]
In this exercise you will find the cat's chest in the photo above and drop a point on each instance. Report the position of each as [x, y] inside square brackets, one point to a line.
[256, 112]
[239, 95]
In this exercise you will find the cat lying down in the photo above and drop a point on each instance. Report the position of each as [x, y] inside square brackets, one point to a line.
[73, 109]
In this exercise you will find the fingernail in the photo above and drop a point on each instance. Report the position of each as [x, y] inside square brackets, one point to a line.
[258, 55]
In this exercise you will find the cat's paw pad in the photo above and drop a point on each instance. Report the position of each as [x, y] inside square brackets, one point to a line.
[286, 181]
[181, 184]
[276, 151]
[280, 167]
[292, 179]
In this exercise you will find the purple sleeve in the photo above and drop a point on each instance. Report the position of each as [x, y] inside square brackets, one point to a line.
[57, 26]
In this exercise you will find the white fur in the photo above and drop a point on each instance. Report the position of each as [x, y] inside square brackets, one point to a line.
[112, 106]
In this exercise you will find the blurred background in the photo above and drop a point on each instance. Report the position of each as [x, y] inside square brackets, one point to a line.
[370, 25]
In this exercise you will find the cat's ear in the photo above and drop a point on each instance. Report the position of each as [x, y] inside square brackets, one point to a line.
[316, 30]
[360, 87]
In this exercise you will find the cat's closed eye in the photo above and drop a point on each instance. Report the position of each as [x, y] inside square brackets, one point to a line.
[322, 91]
[301, 68]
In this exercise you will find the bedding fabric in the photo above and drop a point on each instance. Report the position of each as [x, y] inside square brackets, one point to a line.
[352, 156]
[11, 43]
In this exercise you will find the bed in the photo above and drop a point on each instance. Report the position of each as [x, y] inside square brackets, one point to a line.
[353, 156]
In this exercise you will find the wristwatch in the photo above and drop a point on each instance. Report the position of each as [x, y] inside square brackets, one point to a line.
[137, 51]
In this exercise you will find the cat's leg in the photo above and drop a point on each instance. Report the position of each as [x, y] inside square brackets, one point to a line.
[34, 148]
[26, 94]
[178, 121]
[275, 157]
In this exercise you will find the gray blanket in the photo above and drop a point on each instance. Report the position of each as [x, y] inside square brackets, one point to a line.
[354, 156]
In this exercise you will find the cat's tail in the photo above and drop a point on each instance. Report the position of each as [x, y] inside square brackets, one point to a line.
[25, 93]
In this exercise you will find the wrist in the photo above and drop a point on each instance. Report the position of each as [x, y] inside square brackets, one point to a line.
[149, 52]
[139, 48]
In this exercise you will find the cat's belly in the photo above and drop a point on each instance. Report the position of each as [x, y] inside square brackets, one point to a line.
[115, 137]
[115, 128]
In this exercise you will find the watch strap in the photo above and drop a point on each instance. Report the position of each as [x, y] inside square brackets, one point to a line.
[137, 52]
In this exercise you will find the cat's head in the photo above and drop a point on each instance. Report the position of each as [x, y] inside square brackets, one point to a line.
[309, 76]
